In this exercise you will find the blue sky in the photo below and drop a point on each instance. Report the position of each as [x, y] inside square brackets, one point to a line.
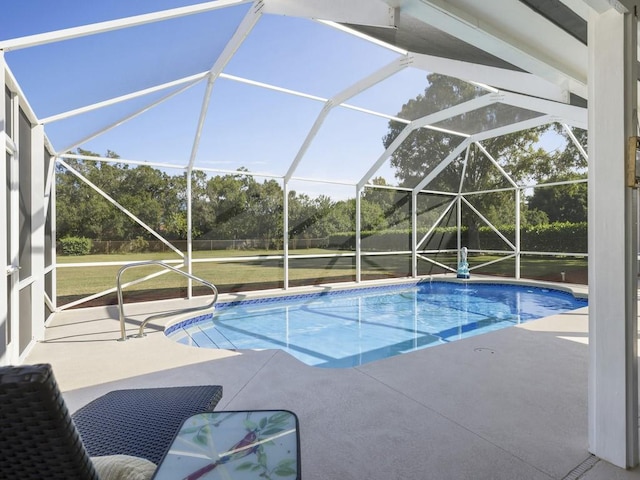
[246, 126]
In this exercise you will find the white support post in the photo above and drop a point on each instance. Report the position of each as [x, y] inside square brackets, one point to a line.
[37, 232]
[414, 234]
[459, 204]
[358, 234]
[459, 226]
[248, 22]
[49, 185]
[54, 235]
[613, 282]
[188, 257]
[4, 318]
[194, 151]
[13, 198]
[49, 214]
[285, 232]
[518, 200]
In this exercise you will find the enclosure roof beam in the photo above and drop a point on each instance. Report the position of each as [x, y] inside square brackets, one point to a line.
[576, 116]
[442, 165]
[500, 78]
[360, 12]
[456, 110]
[308, 96]
[376, 77]
[513, 127]
[239, 36]
[583, 7]
[464, 170]
[100, 158]
[425, 122]
[124, 119]
[269, 86]
[602, 6]
[123, 98]
[406, 131]
[102, 27]
[248, 22]
[351, 91]
[357, 33]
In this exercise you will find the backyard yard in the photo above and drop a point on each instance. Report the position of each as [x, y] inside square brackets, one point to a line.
[241, 270]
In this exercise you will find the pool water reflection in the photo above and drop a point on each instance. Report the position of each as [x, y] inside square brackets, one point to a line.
[352, 327]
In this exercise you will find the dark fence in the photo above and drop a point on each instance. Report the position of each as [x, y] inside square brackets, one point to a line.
[554, 237]
[122, 246]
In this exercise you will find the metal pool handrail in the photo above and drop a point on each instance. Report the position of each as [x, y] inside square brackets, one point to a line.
[123, 332]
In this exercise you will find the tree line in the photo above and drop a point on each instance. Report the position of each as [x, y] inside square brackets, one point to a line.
[224, 207]
[237, 205]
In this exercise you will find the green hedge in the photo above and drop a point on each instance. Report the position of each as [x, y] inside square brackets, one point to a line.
[552, 237]
[75, 245]
[390, 240]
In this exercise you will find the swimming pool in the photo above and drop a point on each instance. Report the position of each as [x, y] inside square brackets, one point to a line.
[352, 327]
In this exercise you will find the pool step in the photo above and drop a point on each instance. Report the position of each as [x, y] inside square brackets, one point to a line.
[212, 338]
[461, 330]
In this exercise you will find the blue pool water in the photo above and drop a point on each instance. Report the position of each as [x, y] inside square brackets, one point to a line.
[352, 327]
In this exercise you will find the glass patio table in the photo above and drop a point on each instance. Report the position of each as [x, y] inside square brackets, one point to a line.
[239, 445]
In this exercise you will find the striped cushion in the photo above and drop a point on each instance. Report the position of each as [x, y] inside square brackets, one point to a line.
[123, 467]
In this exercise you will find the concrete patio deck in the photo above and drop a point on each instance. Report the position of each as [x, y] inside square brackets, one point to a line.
[510, 404]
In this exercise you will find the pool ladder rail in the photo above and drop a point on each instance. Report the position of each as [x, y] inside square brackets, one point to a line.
[123, 332]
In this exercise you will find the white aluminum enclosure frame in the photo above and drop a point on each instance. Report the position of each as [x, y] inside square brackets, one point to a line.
[558, 67]
[22, 238]
[422, 123]
[551, 111]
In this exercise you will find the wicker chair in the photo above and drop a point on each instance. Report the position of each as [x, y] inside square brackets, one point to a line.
[40, 439]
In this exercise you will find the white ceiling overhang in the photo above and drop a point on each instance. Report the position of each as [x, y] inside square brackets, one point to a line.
[511, 31]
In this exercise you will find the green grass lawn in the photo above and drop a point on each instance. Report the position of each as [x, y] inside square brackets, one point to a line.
[137, 257]
[228, 275]
[81, 281]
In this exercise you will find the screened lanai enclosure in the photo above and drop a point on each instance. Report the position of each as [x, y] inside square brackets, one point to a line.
[274, 144]
[266, 148]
